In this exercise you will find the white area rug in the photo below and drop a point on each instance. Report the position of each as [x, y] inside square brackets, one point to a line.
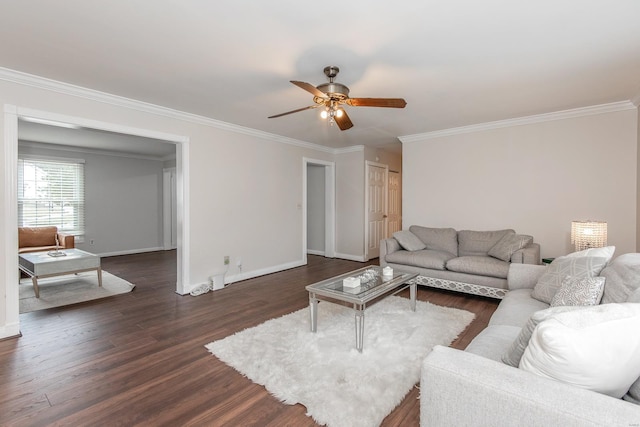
[70, 289]
[324, 372]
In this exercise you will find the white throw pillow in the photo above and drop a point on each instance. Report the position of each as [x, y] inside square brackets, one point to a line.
[596, 348]
[516, 350]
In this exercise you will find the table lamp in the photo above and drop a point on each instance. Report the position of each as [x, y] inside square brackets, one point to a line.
[588, 234]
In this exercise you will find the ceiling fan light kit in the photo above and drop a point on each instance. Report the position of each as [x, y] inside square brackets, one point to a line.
[333, 95]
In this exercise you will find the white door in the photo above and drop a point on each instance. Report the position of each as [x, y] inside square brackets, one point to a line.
[376, 208]
[394, 220]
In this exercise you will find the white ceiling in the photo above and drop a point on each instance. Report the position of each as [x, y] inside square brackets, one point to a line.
[456, 63]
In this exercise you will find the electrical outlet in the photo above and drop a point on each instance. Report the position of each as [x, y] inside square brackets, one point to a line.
[91, 242]
[226, 260]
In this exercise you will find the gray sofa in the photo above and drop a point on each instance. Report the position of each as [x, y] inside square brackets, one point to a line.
[476, 387]
[475, 262]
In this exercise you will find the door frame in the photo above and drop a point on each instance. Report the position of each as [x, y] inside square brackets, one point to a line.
[168, 201]
[11, 115]
[329, 206]
[368, 164]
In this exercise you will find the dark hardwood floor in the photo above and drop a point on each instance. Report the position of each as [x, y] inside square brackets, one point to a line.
[139, 358]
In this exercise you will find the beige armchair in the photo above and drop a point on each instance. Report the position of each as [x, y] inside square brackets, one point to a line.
[36, 239]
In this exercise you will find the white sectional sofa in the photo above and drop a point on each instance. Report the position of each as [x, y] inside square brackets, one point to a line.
[475, 262]
[477, 387]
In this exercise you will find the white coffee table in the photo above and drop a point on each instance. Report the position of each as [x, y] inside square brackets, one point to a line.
[40, 264]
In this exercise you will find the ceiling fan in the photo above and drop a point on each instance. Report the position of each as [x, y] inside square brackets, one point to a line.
[333, 95]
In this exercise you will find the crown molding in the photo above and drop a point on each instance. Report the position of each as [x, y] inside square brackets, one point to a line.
[538, 118]
[351, 149]
[87, 150]
[31, 80]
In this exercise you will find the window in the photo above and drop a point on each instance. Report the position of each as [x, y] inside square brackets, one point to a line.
[51, 192]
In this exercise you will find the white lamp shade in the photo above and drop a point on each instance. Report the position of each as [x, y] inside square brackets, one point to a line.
[588, 234]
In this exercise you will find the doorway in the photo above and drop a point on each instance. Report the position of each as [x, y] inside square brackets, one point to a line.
[318, 206]
[11, 116]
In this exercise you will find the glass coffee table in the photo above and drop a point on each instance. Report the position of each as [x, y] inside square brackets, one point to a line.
[373, 287]
[46, 264]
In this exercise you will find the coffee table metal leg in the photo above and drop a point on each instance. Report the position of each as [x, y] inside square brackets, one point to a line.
[412, 295]
[359, 328]
[313, 311]
[36, 290]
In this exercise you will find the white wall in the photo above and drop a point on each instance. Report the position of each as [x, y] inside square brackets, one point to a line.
[350, 202]
[638, 183]
[123, 200]
[244, 187]
[535, 178]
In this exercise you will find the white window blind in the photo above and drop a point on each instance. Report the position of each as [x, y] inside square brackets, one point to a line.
[51, 192]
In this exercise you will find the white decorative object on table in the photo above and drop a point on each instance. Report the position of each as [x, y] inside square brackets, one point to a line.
[387, 271]
[351, 282]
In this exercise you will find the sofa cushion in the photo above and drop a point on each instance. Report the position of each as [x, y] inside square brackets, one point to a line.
[562, 267]
[513, 355]
[425, 258]
[596, 348]
[516, 308]
[622, 278]
[479, 242]
[509, 244]
[437, 239]
[633, 395]
[579, 291]
[37, 236]
[493, 341]
[409, 241]
[480, 265]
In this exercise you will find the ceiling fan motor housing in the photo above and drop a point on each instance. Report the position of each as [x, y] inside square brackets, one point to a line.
[336, 90]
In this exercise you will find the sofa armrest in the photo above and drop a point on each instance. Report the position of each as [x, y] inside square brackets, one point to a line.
[530, 254]
[524, 276]
[463, 389]
[387, 246]
[66, 241]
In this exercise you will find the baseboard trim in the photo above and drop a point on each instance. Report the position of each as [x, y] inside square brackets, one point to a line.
[314, 252]
[349, 257]
[10, 330]
[129, 252]
[238, 277]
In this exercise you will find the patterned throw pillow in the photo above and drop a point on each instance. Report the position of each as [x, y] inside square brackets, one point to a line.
[606, 252]
[578, 267]
[509, 244]
[575, 291]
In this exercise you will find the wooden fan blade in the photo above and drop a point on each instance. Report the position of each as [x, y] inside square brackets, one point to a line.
[294, 111]
[344, 122]
[377, 102]
[311, 89]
